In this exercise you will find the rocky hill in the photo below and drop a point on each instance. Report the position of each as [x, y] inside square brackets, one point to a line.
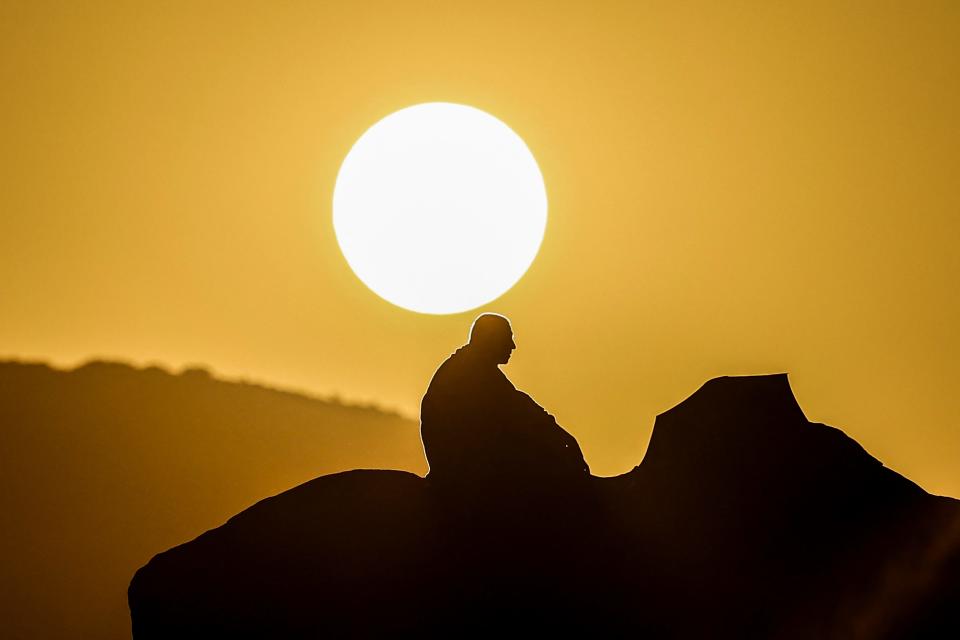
[744, 520]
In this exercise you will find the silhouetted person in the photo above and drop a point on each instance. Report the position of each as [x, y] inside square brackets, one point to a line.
[478, 429]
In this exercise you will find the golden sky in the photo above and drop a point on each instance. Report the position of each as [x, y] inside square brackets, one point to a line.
[750, 188]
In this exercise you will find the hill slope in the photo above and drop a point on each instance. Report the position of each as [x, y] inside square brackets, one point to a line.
[744, 520]
[103, 465]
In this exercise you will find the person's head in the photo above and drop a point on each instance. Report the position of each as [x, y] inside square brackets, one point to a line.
[492, 336]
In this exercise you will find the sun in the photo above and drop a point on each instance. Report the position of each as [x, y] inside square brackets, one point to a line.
[439, 208]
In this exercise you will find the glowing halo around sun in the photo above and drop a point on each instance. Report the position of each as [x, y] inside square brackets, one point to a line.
[439, 208]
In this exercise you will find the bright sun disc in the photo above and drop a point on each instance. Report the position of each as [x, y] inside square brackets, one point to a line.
[439, 208]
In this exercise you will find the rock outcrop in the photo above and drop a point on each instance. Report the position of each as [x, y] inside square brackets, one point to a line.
[744, 520]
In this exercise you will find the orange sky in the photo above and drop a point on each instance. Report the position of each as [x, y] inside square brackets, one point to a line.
[733, 190]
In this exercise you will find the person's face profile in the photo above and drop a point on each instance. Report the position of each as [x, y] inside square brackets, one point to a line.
[508, 346]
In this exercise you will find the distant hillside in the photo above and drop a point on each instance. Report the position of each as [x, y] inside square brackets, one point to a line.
[104, 465]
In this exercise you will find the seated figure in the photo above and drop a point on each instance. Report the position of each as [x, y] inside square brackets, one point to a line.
[478, 429]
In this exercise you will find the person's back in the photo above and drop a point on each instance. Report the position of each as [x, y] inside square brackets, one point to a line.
[478, 429]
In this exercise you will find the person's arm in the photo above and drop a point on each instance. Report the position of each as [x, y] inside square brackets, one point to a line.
[542, 419]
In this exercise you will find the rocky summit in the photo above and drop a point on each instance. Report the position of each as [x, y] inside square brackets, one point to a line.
[744, 520]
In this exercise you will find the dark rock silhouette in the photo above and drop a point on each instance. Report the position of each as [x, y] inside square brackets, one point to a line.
[744, 520]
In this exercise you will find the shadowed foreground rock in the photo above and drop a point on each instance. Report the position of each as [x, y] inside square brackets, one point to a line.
[743, 520]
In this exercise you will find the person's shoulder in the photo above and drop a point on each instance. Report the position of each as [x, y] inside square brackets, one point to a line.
[450, 362]
[448, 367]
